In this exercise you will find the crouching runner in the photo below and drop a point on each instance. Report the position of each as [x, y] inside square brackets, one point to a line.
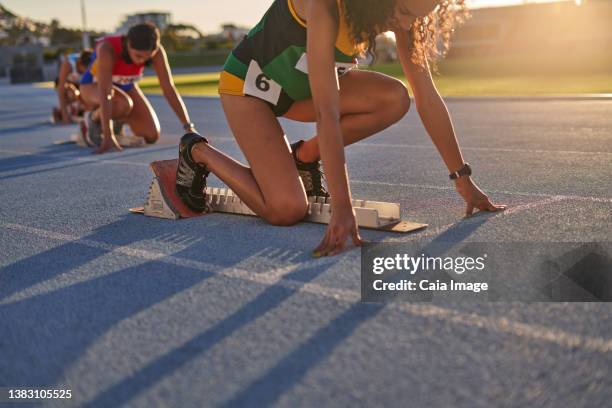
[72, 67]
[110, 88]
[298, 63]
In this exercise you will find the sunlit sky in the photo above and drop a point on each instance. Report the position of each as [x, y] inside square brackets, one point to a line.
[206, 15]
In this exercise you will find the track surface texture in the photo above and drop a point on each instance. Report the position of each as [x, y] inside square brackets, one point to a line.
[225, 310]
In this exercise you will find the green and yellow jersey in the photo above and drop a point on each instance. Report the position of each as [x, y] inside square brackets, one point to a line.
[271, 63]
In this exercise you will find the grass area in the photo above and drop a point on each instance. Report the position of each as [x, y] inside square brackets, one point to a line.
[467, 76]
[527, 85]
[453, 80]
[448, 84]
[206, 58]
[188, 84]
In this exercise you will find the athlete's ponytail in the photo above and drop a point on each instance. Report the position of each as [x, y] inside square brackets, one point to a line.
[143, 37]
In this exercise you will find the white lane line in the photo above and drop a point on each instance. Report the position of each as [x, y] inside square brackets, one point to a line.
[496, 324]
[379, 183]
[68, 159]
[517, 193]
[530, 206]
[88, 159]
[509, 211]
[474, 148]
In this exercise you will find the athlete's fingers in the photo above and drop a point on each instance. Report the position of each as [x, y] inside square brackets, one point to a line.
[323, 244]
[469, 210]
[357, 241]
[318, 250]
[332, 244]
[339, 247]
[494, 207]
[117, 145]
[487, 205]
[336, 241]
[100, 150]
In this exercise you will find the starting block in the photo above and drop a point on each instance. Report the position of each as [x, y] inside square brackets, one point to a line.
[75, 138]
[124, 141]
[163, 202]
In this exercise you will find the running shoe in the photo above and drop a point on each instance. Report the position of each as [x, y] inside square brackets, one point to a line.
[83, 131]
[92, 130]
[311, 174]
[124, 139]
[56, 116]
[191, 176]
[118, 127]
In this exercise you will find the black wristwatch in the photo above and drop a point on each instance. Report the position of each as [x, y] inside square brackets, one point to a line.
[464, 170]
[188, 126]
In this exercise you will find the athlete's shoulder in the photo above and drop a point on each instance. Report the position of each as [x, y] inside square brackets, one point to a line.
[111, 42]
[113, 39]
[105, 49]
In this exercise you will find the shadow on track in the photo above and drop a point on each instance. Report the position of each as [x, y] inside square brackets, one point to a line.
[44, 158]
[47, 333]
[291, 368]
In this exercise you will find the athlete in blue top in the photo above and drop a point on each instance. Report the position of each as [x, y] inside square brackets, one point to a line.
[71, 69]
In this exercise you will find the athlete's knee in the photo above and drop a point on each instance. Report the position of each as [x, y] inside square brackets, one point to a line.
[122, 105]
[286, 213]
[399, 100]
[151, 137]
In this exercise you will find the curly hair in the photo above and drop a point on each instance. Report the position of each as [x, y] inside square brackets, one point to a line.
[430, 35]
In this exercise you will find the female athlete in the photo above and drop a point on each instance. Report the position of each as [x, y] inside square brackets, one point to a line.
[298, 62]
[109, 87]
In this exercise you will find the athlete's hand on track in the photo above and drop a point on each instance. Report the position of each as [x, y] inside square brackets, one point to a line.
[108, 143]
[342, 226]
[474, 197]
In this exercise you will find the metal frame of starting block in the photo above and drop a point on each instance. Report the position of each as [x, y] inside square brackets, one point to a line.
[369, 214]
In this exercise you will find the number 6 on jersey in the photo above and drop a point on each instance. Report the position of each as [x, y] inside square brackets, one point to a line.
[259, 85]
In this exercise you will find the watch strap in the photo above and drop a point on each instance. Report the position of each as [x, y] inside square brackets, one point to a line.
[464, 170]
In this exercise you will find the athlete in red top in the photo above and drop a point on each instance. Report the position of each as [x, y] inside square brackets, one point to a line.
[110, 87]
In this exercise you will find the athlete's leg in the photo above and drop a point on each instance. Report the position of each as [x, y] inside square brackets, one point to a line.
[143, 120]
[72, 92]
[271, 187]
[369, 103]
[121, 102]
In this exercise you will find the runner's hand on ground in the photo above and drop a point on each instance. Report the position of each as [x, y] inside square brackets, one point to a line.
[475, 198]
[343, 225]
[108, 143]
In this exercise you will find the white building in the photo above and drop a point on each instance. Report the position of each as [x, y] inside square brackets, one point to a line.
[233, 33]
[161, 19]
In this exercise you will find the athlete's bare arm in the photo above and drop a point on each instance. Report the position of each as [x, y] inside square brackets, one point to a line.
[322, 17]
[162, 69]
[429, 105]
[106, 61]
[437, 122]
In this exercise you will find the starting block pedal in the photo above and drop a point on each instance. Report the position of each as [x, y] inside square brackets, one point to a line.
[163, 202]
[75, 138]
